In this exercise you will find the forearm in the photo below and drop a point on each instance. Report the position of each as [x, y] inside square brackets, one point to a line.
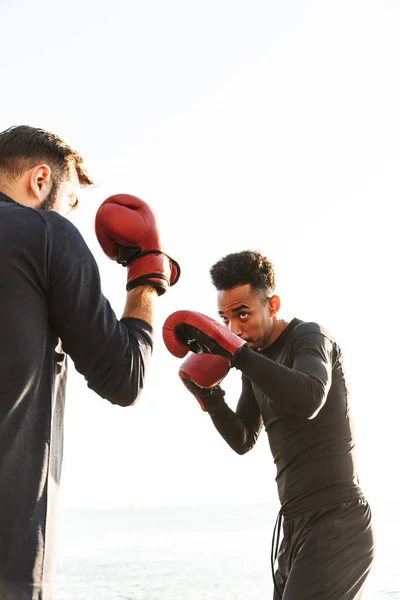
[240, 429]
[118, 373]
[140, 303]
[293, 390]
[237, 435]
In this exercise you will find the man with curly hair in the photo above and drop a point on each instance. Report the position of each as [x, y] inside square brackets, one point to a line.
[293, 385]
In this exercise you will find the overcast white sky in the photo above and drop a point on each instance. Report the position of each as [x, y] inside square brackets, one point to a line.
[256, 124]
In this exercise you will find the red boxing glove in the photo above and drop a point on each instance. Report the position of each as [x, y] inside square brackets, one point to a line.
[202, 374]
[127, 231]
[186, 330]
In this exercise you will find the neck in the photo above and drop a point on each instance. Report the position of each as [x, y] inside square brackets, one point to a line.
[6, 192]
[19, 196]
[278, 328]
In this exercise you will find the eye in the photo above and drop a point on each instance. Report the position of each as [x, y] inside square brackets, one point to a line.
[243, 315]
[224, 320]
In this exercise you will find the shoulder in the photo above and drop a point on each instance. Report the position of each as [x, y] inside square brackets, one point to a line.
[41, 220]
[65, 241]
[305, 328]
[310, 333]
[61, 233]
[30, 227]
[53, 221]
[18, 215]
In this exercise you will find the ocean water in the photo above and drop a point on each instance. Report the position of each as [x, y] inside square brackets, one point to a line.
[190, 553]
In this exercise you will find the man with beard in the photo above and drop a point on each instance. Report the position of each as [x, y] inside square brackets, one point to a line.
[50, 304]
[293, 385]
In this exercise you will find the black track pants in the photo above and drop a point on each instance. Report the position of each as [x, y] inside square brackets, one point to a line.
[325, 554]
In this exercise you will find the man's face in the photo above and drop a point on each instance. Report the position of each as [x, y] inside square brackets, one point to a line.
[63, 195]
[244, 313]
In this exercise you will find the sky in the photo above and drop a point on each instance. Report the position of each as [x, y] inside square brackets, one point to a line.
[263, 125]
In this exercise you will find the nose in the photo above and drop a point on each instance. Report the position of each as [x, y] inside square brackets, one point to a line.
[236, 330]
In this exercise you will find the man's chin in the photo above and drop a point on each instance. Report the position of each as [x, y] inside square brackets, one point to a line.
[250, 343]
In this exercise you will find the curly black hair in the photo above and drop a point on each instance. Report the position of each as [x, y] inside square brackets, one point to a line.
[240, 268]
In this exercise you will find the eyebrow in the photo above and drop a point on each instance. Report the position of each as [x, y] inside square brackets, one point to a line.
[235, 310]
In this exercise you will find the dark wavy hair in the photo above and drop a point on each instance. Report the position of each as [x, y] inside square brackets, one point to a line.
[240, 268]
[22, 147]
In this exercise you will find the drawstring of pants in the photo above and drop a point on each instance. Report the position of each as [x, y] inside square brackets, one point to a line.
[275, 548]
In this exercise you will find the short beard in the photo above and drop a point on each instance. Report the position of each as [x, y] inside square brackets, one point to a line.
[50, 203]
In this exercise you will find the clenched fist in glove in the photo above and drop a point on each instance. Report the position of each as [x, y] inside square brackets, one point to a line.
[202, 374]
[186, 330]
[127, 231]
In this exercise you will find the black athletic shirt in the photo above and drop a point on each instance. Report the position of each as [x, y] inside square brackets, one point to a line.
[49, 291]
[297, 389]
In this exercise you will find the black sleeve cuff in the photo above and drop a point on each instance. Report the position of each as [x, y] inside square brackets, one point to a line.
[239, 359]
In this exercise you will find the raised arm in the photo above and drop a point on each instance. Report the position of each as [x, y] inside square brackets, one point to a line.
[112, 355]
[302, 389]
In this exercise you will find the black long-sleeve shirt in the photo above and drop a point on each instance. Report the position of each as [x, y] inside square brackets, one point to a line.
[297, 389]
[49, 291]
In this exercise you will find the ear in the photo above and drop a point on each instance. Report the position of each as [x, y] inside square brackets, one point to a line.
[40, 181]
[274, 305]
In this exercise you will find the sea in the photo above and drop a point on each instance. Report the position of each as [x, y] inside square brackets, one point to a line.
[191, 553]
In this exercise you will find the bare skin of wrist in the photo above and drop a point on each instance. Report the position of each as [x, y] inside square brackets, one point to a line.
[140, 303]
